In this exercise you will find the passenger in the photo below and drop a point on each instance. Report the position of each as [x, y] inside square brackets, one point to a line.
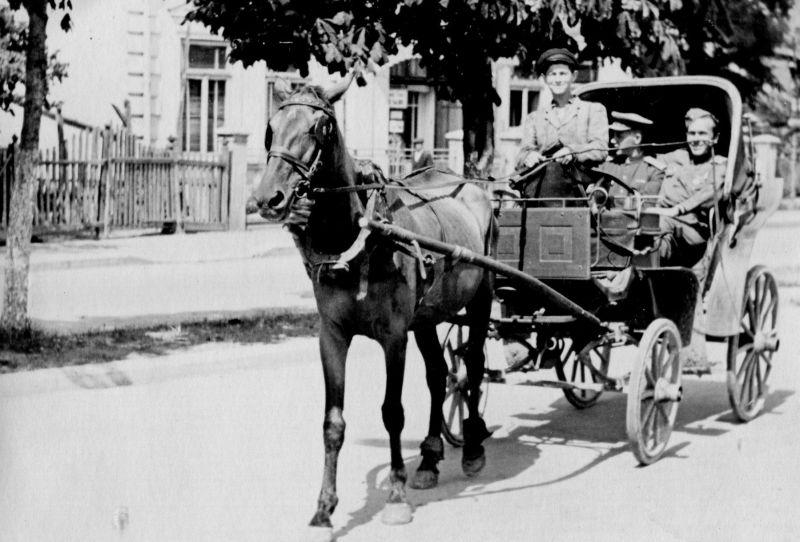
[694, 176]
[568, 130]
[630, 165]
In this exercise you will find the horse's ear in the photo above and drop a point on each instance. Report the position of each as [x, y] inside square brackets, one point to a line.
[282, 89]
[336, 91]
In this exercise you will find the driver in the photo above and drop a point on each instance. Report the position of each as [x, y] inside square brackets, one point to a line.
[568, 130]
[630, 165]
[694, 176]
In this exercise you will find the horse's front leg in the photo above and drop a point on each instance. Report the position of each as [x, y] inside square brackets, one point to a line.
[432, 448]
[397, 510]
[473, 458]
[333, 344]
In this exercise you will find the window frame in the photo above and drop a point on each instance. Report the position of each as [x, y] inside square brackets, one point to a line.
[526, 86]
[205, 76]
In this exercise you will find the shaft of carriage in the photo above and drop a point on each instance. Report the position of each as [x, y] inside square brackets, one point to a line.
[534, 285]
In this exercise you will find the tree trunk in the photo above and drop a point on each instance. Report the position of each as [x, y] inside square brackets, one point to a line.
[15, 306]
[478, 143]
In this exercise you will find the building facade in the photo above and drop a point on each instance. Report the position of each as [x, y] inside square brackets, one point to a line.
[137, 62]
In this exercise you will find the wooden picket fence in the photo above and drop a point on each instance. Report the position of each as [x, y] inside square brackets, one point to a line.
[106, 180]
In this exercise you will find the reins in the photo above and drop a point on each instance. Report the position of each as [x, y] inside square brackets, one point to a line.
[309, 191]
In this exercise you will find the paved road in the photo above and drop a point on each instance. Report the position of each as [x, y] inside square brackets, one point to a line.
[235, 454]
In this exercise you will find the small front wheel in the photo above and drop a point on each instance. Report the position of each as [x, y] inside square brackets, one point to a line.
[454, 409]
[574, 368]
[654, 391]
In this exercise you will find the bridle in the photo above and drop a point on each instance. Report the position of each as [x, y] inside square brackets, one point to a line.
[302, 187]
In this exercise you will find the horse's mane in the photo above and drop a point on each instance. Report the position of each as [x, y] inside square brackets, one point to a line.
[312, 91]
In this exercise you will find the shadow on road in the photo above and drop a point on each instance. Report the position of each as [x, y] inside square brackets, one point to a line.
[705, 411]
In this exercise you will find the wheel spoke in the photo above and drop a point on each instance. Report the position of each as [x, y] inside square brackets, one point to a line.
[583, 370]
[575, 363]
[655, 426]
[759, 380]
[461, 411]
[751, 315]
[649, 410]
[743, 367]
[452, 414]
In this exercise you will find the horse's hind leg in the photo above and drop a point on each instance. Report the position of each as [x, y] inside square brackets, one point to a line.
[475, 432]
[432, 448]
[397, 510]
[333, 346]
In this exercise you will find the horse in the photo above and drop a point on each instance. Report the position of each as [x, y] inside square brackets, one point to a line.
[381, 290]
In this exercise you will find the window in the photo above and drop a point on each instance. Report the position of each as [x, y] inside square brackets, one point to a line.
[273, 102]
[207, 57]
[411, 118]
[204, 97]
[521, 102]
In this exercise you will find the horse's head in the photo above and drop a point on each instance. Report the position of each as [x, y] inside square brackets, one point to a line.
[297, 138]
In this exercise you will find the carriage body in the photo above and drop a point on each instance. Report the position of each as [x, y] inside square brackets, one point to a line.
[632, 298]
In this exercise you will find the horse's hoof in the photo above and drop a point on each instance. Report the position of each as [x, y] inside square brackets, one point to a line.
[424, 479]
[319, 534]
[472, 467]
[397, 513]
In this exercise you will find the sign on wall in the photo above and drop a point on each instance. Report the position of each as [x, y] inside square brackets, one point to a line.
[396, 126]
[398, 98]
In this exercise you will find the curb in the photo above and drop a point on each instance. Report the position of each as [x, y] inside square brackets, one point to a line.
[96, 324]
[138, 369]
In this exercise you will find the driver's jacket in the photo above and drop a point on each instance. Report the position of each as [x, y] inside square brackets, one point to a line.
[581, 126]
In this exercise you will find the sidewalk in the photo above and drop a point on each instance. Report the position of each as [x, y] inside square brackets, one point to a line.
[85, 285]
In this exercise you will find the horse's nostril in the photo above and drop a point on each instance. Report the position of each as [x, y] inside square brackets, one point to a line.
[276, 200]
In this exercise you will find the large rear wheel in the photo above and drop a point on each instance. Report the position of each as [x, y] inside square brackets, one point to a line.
[750, 352]
[654, 391]
[454, 410]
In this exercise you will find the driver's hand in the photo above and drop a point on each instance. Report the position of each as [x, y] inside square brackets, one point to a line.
[532, 159]
[564, 155]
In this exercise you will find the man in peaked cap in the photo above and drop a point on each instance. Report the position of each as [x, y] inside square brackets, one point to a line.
[420, 158]
[568, 130]
[630, 165]
[694, 178]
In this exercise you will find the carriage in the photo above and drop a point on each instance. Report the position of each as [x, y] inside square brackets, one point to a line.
[576, 281]
[572, 297]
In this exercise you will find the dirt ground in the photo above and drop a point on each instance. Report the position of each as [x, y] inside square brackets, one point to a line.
[35, 349]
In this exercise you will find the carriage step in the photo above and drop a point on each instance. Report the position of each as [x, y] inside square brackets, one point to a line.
[536, 319]
[596, 387]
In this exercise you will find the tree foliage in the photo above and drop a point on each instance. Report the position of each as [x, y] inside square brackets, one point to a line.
[13, 44]
[456, 37]
[456, 40]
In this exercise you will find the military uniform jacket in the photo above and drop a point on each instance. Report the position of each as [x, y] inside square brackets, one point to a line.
[693, 186]
[640, 174]
[581, 126]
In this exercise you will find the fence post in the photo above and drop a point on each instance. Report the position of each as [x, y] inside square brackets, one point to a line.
[105, 180]
[175, 187]
[236, 147]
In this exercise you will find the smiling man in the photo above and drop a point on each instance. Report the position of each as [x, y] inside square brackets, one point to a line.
[568, 130]
[694, 178]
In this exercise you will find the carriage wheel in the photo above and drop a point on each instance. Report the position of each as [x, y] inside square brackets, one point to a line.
[571, 369]
[454, 409]
[654, 390]
[750, 352]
